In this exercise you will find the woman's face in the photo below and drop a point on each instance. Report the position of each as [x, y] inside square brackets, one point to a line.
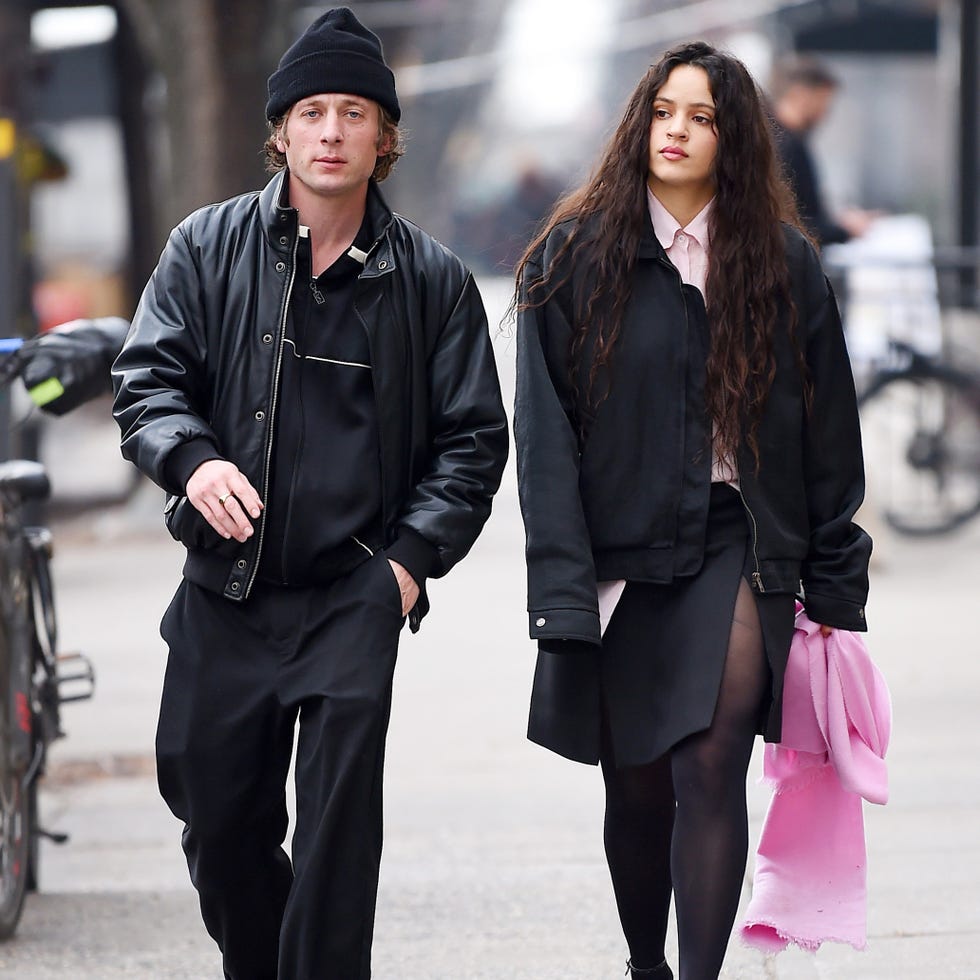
[683, 140]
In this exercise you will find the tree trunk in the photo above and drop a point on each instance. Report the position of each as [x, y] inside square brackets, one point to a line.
[214, 57]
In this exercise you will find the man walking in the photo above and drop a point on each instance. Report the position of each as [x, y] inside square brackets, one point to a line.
[802, 91]
[309, 376]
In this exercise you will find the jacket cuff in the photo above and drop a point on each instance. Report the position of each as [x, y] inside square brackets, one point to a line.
[563, 647]
[186, 458]
[414, 552]
[565, 624]
[828, 611]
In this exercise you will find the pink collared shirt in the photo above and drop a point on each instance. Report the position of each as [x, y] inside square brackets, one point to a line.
[687, 248]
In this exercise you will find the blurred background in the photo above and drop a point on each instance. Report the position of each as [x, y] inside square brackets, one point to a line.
[121, 118]
[118, 119]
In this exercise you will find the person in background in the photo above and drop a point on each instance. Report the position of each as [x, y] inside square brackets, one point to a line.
[310, 378]
[689, 461]
[802, 91]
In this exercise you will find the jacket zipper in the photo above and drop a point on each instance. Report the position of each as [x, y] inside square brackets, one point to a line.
[377, 404]
[687, 336]
[283, 313]
[757, 574]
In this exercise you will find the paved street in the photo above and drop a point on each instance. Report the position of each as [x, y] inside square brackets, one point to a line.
[493, 865]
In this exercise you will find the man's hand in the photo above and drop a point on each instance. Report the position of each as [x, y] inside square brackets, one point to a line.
[826, 630]
[226, 499]
[406, 585]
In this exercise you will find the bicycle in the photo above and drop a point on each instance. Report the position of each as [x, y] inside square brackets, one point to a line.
[35, 679]
[920, 398]
[920, 417]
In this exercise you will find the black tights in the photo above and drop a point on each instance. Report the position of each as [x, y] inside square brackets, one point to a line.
[680, 822]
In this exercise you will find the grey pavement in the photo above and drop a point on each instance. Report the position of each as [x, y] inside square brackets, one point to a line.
[493, 861]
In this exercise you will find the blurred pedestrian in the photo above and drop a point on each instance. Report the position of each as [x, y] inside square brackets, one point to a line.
[309, 376]
[688, 459]
[802, 91]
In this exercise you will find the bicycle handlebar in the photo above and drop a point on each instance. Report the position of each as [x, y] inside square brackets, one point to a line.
[66, 366]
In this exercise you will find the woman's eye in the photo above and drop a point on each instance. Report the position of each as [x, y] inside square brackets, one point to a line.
[661, 113]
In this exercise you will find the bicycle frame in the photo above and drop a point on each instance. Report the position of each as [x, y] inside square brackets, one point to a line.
[31, 686]
[16, 637]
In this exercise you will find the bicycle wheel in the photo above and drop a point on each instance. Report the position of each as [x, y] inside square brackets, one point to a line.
[14, 848]
[921, 434]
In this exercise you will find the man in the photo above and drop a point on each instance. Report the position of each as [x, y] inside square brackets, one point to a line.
[802, 91]
[309, 376]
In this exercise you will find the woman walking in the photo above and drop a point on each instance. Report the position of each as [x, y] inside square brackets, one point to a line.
[689, 462]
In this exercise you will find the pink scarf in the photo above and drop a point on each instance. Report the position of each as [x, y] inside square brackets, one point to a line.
[810, 881]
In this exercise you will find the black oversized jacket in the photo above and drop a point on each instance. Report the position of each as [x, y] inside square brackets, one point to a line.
[610, 507]
[202, 365]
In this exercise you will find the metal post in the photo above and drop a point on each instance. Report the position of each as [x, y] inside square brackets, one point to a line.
[9, 262]
[969, 170]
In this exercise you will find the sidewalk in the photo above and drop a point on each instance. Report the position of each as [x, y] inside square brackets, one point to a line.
[493, 867]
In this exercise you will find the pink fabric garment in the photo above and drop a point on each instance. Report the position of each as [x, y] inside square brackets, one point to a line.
[810, 883]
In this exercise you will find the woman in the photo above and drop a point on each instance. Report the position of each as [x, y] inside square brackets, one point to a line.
[689, 461]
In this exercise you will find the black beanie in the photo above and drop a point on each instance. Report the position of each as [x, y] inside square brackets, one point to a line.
[337, 53]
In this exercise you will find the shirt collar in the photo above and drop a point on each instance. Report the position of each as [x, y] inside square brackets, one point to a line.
[666, 226]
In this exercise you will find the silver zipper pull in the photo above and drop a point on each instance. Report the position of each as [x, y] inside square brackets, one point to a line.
[317, 295]
[757, 581]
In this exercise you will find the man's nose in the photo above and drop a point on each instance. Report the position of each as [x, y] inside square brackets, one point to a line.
[331, 131]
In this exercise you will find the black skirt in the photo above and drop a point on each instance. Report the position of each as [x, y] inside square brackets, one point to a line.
[657, 677]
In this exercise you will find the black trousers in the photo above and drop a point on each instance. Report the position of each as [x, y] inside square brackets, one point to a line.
[238, 678]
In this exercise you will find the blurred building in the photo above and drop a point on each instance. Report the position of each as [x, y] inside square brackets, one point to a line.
[508, 101]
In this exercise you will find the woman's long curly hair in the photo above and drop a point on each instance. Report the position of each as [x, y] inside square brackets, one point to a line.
[747, 278]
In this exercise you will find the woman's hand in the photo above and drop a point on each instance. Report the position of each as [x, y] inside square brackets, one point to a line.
[826, 630]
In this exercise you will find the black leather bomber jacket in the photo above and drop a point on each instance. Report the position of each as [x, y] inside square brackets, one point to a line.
[202, 362]
[607, 506]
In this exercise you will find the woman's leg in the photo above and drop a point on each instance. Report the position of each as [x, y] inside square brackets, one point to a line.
[637, 835]
[710, 841]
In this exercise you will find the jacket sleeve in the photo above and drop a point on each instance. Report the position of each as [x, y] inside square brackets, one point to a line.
[835, 572]
[468, 436]
[159, 376]
[562, 592]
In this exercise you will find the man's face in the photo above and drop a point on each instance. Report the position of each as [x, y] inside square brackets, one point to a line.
[331, 143]
[814, 104]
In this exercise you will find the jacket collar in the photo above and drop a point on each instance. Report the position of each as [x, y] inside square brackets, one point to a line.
[650, 247]
[281, 222]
